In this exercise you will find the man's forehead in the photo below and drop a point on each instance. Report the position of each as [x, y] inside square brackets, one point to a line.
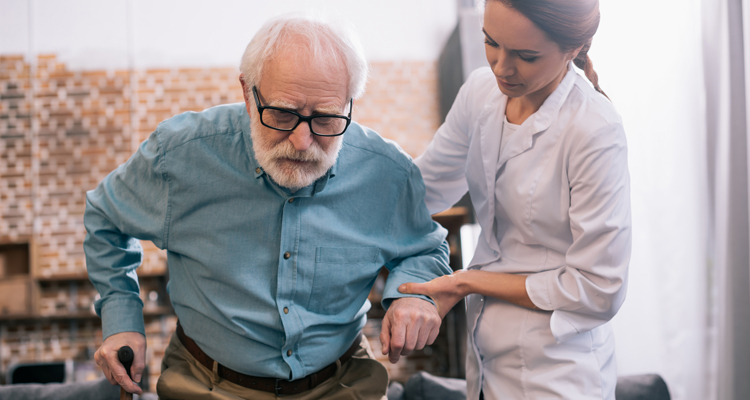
[300, 63]
[289, 81]
[317, 96]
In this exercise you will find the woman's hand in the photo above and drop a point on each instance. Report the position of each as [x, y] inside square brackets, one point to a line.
[445, 291]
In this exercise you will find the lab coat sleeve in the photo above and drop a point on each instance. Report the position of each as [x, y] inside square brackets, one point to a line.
[129, 204]
[443, 164]
[590, 288]
[418, 251]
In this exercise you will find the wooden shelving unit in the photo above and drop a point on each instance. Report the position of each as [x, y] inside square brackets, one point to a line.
[24, 291]
[48, 316]
[18, 291]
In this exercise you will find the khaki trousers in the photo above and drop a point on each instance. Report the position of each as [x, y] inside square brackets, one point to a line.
[184, 378]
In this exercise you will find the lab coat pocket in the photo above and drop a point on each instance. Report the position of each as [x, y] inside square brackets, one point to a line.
[343, 276]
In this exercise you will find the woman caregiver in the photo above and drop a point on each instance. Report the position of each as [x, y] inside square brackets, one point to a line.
[543, 156]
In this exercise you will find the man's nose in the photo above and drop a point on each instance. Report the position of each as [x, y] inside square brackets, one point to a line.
[301, 137]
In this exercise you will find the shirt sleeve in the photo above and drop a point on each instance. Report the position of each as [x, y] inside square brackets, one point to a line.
[590, 288]
[129, 204]
[443, 163]
[419, 251]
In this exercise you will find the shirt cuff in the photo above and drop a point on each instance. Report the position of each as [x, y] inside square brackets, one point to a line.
[538, 290]
[537, 287]
[122, 315]
[396, 279]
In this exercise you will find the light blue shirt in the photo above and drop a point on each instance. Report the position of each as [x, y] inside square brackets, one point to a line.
[255, 270]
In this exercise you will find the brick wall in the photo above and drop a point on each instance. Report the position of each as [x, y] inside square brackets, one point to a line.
[401, 103]
[63, 131]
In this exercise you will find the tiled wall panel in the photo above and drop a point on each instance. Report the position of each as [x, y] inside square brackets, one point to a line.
[16, 141]
[83, 133]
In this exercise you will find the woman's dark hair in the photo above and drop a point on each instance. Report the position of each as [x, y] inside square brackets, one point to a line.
[569, 23]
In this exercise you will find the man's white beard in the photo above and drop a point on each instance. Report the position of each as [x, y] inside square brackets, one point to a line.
[274, 158]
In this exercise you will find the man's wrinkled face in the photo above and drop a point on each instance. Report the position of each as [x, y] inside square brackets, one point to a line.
[293, 80]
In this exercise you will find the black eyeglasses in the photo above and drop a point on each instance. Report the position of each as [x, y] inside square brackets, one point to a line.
[287, 120]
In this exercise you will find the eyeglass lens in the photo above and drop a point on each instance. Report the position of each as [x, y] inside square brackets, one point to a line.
[322, 125]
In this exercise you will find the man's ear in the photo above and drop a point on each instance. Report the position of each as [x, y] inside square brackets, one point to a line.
[246, 96]
[244, 89]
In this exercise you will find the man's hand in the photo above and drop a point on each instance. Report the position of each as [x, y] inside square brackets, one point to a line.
[410, 324]
[106, 358]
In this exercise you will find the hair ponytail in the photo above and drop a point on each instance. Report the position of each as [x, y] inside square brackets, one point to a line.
[583, 61]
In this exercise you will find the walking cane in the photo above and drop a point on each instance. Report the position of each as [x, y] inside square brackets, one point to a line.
[125, 356]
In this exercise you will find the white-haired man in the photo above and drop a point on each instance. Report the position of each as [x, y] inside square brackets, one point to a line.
[277, 216]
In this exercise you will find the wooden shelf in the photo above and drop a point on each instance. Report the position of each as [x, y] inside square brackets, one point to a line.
[35, 284]
[147, 312]
[85, 277]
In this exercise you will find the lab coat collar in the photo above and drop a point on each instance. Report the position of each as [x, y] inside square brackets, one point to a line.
[540, 121]
[551, 107]
[490, 135]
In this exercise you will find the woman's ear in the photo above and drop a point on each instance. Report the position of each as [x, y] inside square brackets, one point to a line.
[573, 54]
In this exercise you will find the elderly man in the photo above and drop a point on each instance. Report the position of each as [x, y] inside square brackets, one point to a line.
[276, 215]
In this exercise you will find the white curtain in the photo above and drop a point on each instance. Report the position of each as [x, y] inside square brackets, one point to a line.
[649, 59]
[727, 61]
[677, 71]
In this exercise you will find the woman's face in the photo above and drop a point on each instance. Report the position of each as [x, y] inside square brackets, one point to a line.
[525, 62]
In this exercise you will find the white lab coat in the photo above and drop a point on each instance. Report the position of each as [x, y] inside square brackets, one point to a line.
[561, 189]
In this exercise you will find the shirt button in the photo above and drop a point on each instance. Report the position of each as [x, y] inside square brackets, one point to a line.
[287, 255]
[288, 353]
[257, 170]
[291, 200]
[286, 310]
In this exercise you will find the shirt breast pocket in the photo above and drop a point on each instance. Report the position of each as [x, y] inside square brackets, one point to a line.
[343, 276]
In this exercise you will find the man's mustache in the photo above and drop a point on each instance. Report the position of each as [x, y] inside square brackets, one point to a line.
[287, 150]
